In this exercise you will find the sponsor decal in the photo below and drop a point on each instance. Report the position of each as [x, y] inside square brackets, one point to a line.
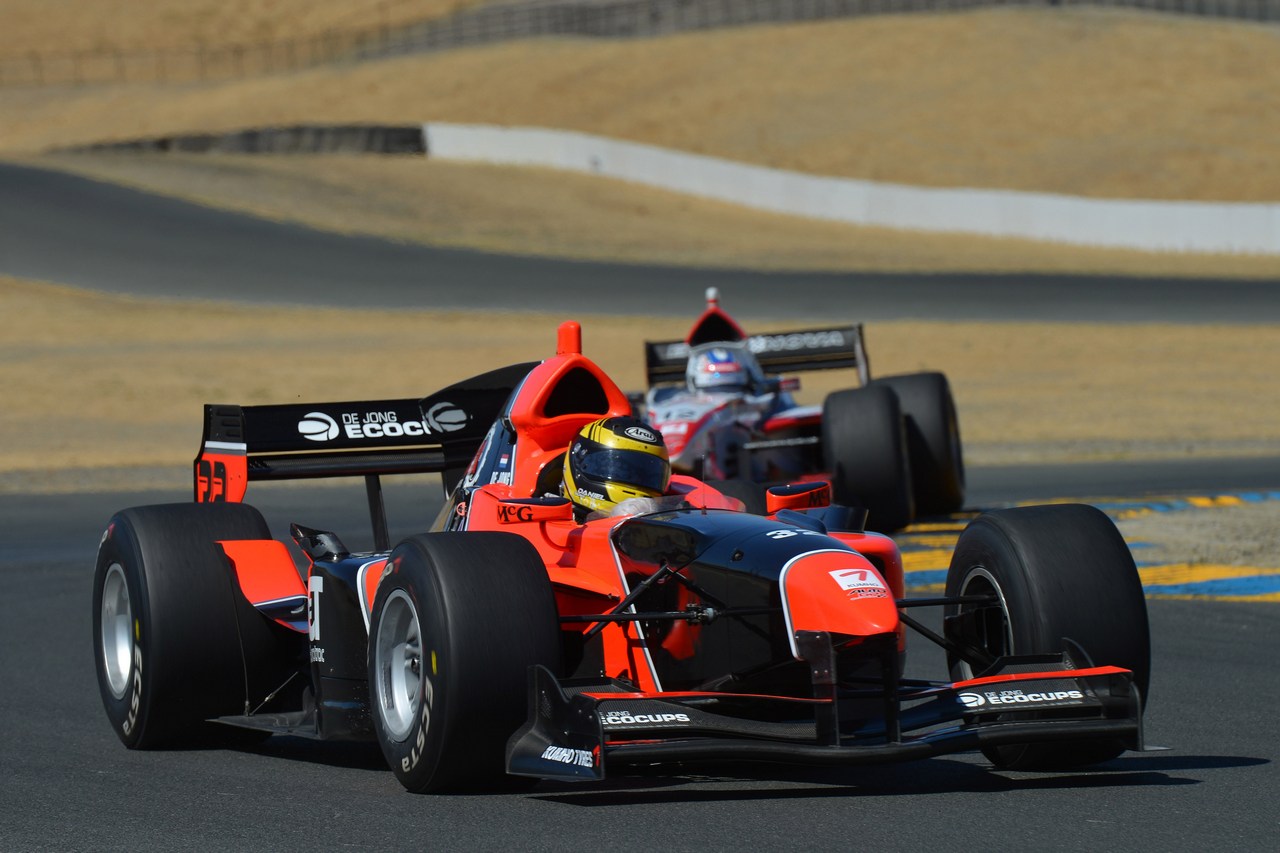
[446, 417]
[508, 514]
[860, 583]
[565, 755]
[411, 760]
[317, 426]
[1014, 696]
[317, 655]
[135, 700]
[613, 719]
[641, 434]
[797, 341]
[441, 418]
[356, 425]
[315, 586]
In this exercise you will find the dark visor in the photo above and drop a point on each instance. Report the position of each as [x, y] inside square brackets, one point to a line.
[634, 467]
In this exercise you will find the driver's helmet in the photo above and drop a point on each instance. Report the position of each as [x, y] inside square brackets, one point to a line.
[613, 459]
[717, 369]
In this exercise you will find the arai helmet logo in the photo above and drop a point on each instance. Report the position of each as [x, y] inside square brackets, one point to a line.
[641, 434]
[972, 700]
[317, 426]
[445, 417]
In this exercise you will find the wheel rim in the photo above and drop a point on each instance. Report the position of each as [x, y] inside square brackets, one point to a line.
[117, 631]
[398, 665]
[994, 632]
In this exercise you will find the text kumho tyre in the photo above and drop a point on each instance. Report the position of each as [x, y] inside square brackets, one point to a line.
[457, 621]
[864, 446]
[933, 440]
[175, 643]
[1064, 581]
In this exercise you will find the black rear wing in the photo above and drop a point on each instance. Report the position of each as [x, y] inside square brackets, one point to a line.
[368, 438]
[778, 352]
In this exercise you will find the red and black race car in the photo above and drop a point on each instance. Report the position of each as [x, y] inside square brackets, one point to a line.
[514, 642]
[890, 445]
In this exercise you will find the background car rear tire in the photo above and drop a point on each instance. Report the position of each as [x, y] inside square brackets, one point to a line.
[1065, 578]
[933, 440]
[864, 446]
[457, 621]
[172, 633]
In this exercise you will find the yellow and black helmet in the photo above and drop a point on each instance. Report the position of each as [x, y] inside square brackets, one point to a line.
[613, 459]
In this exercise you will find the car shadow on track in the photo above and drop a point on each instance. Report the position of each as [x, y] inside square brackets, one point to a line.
[938, 776]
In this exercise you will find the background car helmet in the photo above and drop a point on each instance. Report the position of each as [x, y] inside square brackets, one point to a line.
[717, 369]
[613, 459]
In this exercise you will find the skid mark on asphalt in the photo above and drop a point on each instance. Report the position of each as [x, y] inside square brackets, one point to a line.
[926, 552]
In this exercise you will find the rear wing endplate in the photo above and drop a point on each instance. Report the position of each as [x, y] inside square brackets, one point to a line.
[368, 438]
[778, 352]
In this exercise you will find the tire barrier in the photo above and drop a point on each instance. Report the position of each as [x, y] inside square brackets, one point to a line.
[302, 139]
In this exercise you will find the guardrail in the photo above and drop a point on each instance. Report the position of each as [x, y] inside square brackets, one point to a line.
[504, 22]
[1183, 226]
[299, 139]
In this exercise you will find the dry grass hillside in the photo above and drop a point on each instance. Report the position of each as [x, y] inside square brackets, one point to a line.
[105, 391]
[72, 26]
[1089, 101]
[1086, 101]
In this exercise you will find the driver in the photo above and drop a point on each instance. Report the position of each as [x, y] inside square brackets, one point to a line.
[614, 461]
[717, 369]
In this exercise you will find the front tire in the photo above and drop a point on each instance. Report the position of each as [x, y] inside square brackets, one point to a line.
[457, 621]
[175, 643]
[864, 446]
[1065, 581]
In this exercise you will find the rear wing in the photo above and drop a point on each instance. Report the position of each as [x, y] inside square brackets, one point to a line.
[779, 352]
[437, 434]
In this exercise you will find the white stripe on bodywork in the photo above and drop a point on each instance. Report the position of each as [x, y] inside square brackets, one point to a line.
[626, 590]
[227, 446]
[365, 603]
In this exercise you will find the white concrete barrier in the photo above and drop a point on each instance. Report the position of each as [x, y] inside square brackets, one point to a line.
[1184, 226]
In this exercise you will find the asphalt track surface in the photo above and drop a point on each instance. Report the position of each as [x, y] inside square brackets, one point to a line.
[71, 230]
[67, 783]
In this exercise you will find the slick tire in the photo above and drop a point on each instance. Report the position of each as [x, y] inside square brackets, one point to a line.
[1066, 582]
[933, 440]
[171, 631]
[458, 620]
[864, 446]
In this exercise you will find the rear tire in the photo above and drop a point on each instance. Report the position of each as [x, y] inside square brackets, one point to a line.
[864, 446]
[933, 440]
[172, 632]
[1066, 582]
[457, 621]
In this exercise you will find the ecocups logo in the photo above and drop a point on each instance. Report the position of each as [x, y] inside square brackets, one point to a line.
[1015, 696]
[445, 417]
[640, 434]
[317, 426]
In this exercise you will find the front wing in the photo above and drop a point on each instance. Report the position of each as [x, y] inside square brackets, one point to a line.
[576, 728]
